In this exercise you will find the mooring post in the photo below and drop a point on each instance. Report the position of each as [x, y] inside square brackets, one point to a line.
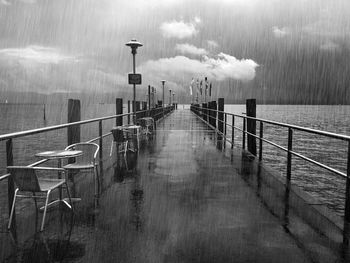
[288, 177]
[251, 125]
[220, 117]
[138, 108]
[10, 182]
[243, 133]
[346, 231]
[129, 111]
[213, 114]
[74, 115]
[261, 134]
[205, 111]
[225, 130]
[119, 111]
[149, 100]
[233, 131]
[144, 108]
[100, 177]
[44, 112]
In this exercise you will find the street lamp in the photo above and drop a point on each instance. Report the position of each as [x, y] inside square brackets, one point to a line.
[163, 82]
[174, 98]
[169, 97]
[134, 44]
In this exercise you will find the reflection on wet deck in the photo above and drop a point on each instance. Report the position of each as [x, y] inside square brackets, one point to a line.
[182, 200]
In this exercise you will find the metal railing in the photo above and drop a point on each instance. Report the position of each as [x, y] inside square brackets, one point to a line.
[157, 114]
[212, 116]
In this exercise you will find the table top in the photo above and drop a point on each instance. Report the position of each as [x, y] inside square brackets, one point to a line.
[59, 154]
[126, 127]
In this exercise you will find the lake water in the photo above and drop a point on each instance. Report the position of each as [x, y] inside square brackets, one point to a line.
[325, 186]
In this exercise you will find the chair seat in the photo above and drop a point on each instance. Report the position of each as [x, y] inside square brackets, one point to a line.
[49, 184]
[78, 166]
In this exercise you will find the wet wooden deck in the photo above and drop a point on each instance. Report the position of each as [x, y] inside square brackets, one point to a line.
[183, 201]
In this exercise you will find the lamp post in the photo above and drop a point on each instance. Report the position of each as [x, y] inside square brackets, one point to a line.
[163, 82]
[174, 98]
[134, 44]
[169, 97]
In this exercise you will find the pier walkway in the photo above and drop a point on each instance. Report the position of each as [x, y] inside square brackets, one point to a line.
[184, 201]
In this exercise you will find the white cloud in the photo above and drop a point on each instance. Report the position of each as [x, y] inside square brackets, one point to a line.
[222, 67]
[178, 29]
[29, 1]
[5, 2]
[197, 19]
[36, 54]
[212, 44]
[190, 49]
[280, 32]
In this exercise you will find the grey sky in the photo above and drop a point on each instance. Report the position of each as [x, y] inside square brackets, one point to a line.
[65, 45]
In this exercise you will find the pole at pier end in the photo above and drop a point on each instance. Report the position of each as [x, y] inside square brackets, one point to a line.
[221, 105]
[74, 115]
[119, 111]
[251, 125]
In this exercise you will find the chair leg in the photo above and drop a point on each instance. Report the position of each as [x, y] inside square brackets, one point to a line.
[45, 209]
[36, 203]
[69, 197]
[125, 157]
[112, 144]
[12, 209]
[96, 182]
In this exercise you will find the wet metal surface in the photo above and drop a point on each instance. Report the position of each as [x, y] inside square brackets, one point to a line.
[182, 201]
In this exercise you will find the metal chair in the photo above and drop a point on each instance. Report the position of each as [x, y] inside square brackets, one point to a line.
[27, 180]
[87, 161]
[147, 125]
[119, 138]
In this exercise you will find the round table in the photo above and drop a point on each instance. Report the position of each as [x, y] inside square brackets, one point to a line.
[59, 155]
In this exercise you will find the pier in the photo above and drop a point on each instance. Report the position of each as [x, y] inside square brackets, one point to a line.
[187, 196]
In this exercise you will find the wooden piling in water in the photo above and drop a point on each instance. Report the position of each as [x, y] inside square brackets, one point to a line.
[74, 115]
[128, 111]
[138, 108]
[205, 111]
[251, 125]
[10, 181]
[119, 110]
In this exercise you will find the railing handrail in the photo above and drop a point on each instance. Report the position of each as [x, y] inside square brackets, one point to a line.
[299, 155]
[65, 125]
[286, 125]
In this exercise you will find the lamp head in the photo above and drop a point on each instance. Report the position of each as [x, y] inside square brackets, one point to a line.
[163, 82]
[133, 44]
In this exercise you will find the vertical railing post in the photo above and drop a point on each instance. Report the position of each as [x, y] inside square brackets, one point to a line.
[261, 134]
[243, 135]
[288, 177]
[100, 134]
[346, 234]
[129, 111]
[233, 131]
[10, 182]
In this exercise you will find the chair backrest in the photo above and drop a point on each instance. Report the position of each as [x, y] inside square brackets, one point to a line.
[90, 151]
[118, 135]
[25, 178]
